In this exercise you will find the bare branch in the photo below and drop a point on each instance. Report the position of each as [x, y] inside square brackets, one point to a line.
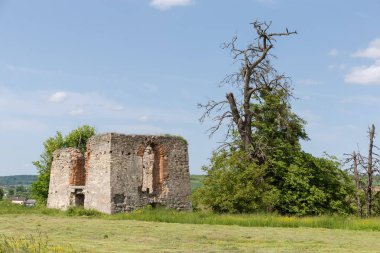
[255, 75]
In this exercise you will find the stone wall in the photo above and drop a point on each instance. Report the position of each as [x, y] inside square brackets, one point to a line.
[67, 170]
[121, 173]
[149, 170]
[77, 170]
[98, 170]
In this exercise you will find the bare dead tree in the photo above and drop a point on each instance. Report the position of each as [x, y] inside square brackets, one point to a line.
[364, 169]
[357, 178]
[356, 161]
[255, 74]
[370, 170]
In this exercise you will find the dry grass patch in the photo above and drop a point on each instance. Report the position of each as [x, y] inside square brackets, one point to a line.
[100, 235]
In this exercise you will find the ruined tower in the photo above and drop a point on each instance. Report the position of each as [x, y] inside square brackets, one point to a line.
[120, 173]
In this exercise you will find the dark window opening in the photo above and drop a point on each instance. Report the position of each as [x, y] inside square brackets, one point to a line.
[155, 205]
[79, 200]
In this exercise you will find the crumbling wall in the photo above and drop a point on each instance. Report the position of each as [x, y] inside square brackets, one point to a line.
[121, 173]
[149, 170]
[67, 170]
[98, 163]
[148, 163]
[77, 170]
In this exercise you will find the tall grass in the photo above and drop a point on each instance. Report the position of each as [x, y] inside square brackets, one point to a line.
[249, 220]
[6, 207]
[31, 244]
[172, 216]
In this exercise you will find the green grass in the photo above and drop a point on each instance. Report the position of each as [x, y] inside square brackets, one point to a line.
[104, 235]
[249, 220]
[161, 230]
[172, 216]
[31, 244]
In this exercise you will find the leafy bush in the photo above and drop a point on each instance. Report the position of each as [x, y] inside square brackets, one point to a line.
[306, 186]
[289, 181]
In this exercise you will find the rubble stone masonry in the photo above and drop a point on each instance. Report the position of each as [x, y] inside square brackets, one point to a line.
[67, 174]
[121, 173]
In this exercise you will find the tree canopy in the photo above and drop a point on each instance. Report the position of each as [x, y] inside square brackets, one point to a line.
[77, 138]
[267, 170]
[1, 193]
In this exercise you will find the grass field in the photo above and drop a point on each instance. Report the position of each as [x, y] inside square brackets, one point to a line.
[100, 235]
[160, 230]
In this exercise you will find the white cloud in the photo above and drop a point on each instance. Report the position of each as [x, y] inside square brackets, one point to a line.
[365, 75]
[334, 52]
[372, 51]
[368, 74]
[167, 4]
[92, 105]
[58, 97]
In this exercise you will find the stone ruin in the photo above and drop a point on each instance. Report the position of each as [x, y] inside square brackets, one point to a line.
[121, 173]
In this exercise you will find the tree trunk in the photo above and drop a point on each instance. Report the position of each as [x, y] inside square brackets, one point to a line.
[370, 171]
[243, 126]
[357, 181]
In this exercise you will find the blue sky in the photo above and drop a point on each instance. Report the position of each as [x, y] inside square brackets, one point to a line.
[141, 66]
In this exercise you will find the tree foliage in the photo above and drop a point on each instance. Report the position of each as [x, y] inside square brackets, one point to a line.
[272, 173]
[1, 193]
[291, 181]
[76, 138]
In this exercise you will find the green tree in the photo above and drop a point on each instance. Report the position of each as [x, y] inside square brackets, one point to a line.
[11, 192]
[40, 187]
[314, 186]
[76, 138]
[20, 189]
[234, 184]
[289, 182]
[262, 166]
[1, 193]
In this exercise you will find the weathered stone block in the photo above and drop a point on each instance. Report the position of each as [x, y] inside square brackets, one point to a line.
[123, 173]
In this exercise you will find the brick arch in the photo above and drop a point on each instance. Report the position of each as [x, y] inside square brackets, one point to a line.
[154, 167]
[77, 169]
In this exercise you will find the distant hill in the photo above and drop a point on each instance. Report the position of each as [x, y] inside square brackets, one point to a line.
[196, 180]
[17, 180]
